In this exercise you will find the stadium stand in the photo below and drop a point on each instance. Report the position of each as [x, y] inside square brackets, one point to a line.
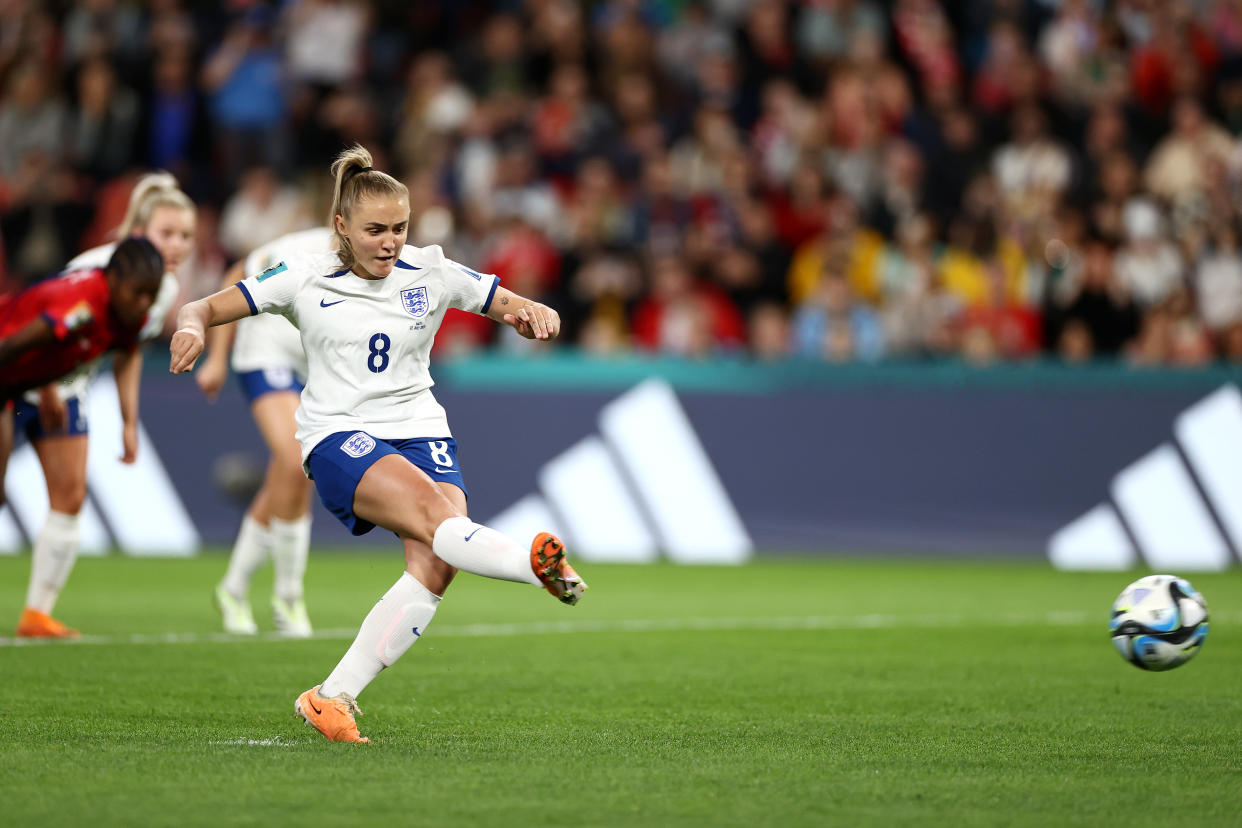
[844, 181]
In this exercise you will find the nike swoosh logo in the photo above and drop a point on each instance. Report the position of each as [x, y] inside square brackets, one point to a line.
[471, 535]
[318, 712]
[389, 654]
[443, 471]
[324, 304]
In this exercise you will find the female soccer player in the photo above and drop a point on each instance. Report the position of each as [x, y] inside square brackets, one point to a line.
[374, 440]
[270, 364]
[161, 212]
[57, 327]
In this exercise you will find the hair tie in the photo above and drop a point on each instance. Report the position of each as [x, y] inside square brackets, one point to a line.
[366, 169]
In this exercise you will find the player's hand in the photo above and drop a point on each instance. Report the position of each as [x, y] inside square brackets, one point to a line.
[129, 442]
[535, 321]
[53, 413]
[211, 376]
[184, 350]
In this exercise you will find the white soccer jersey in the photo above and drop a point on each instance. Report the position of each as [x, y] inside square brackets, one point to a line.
[75, 384]
[268, 340]
[368, 341]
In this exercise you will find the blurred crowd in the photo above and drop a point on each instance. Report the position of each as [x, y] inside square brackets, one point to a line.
[831, 179]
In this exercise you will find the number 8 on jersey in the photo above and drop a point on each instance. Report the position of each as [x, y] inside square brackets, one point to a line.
[378, 360]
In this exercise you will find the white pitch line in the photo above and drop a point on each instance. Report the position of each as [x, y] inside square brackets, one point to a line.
[876, 621]
[277, 742]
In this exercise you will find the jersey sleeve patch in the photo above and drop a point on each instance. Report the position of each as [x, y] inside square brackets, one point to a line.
[78, 316]
[279, 267]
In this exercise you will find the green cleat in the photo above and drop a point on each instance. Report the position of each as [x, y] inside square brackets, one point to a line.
[291, 618]
[235, 613]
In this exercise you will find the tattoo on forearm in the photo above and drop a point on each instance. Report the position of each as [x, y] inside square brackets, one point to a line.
[504, 300]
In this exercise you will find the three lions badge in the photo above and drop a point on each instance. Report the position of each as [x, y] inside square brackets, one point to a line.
[414, 300]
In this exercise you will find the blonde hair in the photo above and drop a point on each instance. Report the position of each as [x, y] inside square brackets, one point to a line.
[355, 180]
[157, 189]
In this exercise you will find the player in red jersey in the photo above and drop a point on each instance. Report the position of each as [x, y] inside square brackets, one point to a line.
[62, 325]
[56, 420]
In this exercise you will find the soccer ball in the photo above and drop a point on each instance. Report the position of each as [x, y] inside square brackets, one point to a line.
[1159, 622]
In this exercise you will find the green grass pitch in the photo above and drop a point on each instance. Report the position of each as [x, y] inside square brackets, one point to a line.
[781, 693]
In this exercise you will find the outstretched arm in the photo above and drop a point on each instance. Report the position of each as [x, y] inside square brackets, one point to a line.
[533, 320]
[127, 371]
[195, 318]
[212, 374]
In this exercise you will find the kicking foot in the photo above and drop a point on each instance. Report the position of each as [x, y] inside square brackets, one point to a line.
[547, 558]
[291, 618]
[238, 618]
[35, 624]
[334, 717]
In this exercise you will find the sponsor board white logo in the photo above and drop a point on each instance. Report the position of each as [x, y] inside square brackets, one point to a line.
[1178, 507]
[644, 486]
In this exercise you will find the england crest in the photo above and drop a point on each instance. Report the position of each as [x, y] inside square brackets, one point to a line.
[414, 300]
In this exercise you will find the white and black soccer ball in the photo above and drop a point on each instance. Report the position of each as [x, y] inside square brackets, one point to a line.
[1159, 622]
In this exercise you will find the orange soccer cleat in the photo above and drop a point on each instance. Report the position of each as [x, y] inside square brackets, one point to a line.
[333, 717]
[547, 558]
[35, 624]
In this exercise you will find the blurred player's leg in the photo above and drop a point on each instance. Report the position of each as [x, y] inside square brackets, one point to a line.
[55, 551]
[63, 459]
[6, 445]
[290, 549]
[249, 553]
[288, 504]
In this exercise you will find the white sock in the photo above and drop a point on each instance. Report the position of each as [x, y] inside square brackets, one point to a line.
[290, 544]
[473, 547]
[249, 553]
[55, 551]
[390, 628]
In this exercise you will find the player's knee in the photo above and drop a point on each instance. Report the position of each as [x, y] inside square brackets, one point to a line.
[435, 510]
[423, 515]
[68, 497]
[287, 465]
[290, 479]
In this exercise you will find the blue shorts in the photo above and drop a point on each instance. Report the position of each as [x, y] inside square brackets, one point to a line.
[26, 420]
[339, 461]
[255, 384]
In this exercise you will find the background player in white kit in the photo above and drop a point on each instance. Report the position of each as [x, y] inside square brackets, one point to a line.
[265, 352]
[159, 210]
[374, 439]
